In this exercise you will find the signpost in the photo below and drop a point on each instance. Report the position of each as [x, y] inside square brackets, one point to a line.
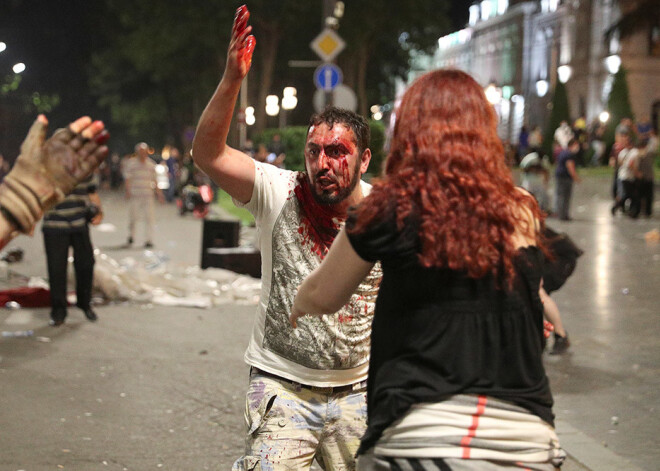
[327, 45]
[327, 77]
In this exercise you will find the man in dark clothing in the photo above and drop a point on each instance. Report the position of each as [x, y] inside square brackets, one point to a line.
[565, 175]
[65, 226]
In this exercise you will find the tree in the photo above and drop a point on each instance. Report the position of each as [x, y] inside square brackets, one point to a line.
[560, 112]
[161, 65]
[618, 105]
[380, 40]
[165, 58]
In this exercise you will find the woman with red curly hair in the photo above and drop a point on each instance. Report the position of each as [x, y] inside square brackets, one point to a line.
[456, 379]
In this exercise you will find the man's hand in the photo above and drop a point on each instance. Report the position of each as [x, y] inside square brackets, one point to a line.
[48, 170]
[241, 46]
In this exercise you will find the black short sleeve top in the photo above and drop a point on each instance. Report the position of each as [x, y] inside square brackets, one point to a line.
[436, 332]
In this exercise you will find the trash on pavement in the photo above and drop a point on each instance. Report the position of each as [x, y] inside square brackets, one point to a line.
[152, 278]
[17, 333]
[652, 237]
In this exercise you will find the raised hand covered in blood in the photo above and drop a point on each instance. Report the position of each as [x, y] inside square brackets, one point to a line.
[241, 46]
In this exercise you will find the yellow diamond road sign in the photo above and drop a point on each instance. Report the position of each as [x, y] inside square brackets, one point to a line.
[327, 45]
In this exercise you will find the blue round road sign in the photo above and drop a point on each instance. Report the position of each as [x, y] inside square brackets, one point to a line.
[327, 77]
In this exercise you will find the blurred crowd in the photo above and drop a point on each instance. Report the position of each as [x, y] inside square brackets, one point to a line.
[632, 156]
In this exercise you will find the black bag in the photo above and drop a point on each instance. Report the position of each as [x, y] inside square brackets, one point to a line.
[564, 259]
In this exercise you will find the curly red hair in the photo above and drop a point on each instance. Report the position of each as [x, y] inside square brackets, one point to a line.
[447, 161]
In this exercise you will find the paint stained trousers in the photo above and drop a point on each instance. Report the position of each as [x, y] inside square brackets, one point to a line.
[289, 425]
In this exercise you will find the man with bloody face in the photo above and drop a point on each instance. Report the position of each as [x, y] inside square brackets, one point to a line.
[306, 396]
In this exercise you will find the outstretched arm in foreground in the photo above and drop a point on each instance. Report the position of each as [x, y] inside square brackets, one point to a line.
[231, 169]
[47, 170]
[332, 283]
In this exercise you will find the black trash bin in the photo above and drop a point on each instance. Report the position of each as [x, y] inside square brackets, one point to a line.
[218, 234]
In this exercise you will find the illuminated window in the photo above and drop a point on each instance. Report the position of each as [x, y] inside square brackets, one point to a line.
[474, 14]
[485, 9]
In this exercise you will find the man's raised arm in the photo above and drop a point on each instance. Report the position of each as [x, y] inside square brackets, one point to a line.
[231, 169]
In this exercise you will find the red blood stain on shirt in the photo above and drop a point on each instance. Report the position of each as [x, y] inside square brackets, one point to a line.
[343, 318]
[319, 224]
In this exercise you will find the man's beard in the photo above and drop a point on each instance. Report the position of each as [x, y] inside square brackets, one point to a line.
[342, 194]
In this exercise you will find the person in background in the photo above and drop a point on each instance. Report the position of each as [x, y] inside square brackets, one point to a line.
[646, 174]
[141, 184]
[65, 226]
[458, 330]
[565, 175]
[622, 140]
[563, 134]
[536, 140]
[580, 133]
[173, 162]
[523, 143]
[535, 178]
[597, 142]
[276, 151]
[627, 161]
[47, 170]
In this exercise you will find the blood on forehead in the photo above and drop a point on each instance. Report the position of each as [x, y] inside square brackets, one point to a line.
[339, 135]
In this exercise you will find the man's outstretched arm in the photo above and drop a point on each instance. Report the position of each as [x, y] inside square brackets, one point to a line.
[231, 169]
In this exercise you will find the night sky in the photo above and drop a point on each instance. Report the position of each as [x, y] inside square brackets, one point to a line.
[55, 38]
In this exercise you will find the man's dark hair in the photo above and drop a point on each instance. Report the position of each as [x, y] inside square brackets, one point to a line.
[354, 121]
[572, 141]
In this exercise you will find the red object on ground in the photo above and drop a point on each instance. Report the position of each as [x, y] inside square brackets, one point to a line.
[26, 296]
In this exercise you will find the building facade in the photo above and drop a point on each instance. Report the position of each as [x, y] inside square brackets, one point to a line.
[518, 50]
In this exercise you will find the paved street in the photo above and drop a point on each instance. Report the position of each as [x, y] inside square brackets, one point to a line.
[162, 387]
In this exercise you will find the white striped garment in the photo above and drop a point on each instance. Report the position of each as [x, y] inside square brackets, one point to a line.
[471, 427]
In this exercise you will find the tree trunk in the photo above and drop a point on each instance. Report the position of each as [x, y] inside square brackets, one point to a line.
[263, 82]
[362, 58]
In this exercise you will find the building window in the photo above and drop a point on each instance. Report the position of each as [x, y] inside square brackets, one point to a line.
[474, 14]
[485, 10]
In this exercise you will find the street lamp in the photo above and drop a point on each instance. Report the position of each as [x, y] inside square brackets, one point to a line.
[542, 87]
[493, 94]
[249, 116]
[604, 116]
[18, 68]
[613, 63]
[272, 106]
[3, 46]
[564, 73]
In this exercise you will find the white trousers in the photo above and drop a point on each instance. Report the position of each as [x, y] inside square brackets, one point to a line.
[141, 208]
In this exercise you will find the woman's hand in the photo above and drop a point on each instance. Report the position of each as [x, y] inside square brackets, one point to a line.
[295, 315]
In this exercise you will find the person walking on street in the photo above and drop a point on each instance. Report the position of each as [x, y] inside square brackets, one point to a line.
[64, 226]
[306, 394]
[141, 184]
[565, 175]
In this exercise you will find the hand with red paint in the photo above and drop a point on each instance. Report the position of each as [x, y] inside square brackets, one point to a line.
[241, 46]
[48, 169]
[547, 328]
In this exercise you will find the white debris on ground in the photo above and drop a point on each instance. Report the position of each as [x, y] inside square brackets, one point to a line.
[151, 278]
